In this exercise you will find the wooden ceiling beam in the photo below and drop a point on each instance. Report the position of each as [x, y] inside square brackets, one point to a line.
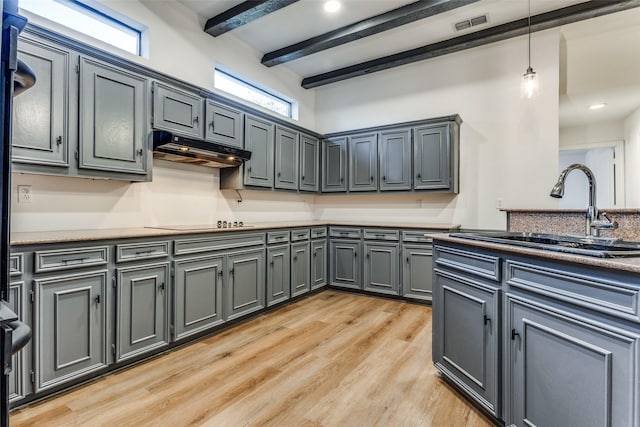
[242, 14]
[367, 27]
[543, 21]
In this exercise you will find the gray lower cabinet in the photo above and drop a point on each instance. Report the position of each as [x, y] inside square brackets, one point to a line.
[334, 164]
[318, 263]
[363, 162]
[345, 264]
[112, 119]
[142, 309]
[564, 370]
[70, 327]
[287, 158]
[197, 288]
[278, 274]
[432, 158]
[381, 268]
[225, 125]
[18, 374]
[259, 137]
[466, 336]
[309, 164]
[245, 290]
[300, 269]
[395, 160]
[41, 115]
[177, 111]
[417, 271]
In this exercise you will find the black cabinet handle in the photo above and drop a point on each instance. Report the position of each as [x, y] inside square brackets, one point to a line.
[140, 152]
[487, 319]
[196, 119]
[212, 125]
[341, 179]
[303, 177]
[59, 140]
[295, 258]
[249, 169]
[97, 299]
[272, 263]
[355, 254]
[367, 256]
[231, 272]
[514, 334]
[315, 254]
[371, 179]
[162, 287]
[78, 260]
[419, 176]
[279, 174]
[384, 177]
[220, 273]
[407, 260]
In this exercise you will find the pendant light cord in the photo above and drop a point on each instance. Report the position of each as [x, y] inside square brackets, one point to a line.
[529, 33]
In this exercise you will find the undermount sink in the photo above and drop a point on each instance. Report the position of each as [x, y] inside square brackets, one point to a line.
[602, 247]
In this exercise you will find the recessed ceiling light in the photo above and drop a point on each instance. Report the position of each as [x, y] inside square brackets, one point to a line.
[332, 6]
[597, 106]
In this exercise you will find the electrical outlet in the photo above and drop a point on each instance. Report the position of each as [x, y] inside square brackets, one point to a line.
[24, 194]
[499, 203]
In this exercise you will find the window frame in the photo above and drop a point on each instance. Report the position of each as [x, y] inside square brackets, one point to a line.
[290, 104]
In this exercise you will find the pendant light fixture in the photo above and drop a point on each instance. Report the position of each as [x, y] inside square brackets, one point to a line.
[529, 79]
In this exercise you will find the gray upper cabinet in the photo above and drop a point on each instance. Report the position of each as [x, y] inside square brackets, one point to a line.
[259, 137]
[567, 371]
[143, 309]
[334, 164]
[197, 294]
[363, 162]
[381, 272]
[309, 164]
[245, 290]
[112, 119]
[177, 111]
[287, 158]
[432, 157]
[41, 115]
[225, 125]
[70, 337]
[395, 160]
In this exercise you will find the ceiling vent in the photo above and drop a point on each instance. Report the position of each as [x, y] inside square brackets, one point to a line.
[471, 22]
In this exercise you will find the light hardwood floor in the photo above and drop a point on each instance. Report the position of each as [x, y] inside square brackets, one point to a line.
[333, 359]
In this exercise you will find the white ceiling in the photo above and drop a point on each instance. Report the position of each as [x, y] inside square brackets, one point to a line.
[306, 18]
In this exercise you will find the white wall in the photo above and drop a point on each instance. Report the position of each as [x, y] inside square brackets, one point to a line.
[509, 145]
[592, 133]
[632, 158]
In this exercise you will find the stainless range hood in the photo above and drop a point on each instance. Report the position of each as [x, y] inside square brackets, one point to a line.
[176, 148]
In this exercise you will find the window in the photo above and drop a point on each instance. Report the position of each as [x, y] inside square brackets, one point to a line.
[250, 92]
[92, 19]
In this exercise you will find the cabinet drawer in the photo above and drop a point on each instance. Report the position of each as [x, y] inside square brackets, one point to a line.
[476, 264]
[297, 235]
[67, 259]
[417, 236]
[277, 237]
[599, 294]
[348, 233]
[318, 232]
[16, 264]
[135, 251]
[208, 244]
[372, 233]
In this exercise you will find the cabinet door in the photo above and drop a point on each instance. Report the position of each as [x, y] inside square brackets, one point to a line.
[318, 263]
[309, 163]
[300, 269]
[224, 125]
[395, 160]
[363, 162]
[278, 274]
[259, 140]
[345, 264]
[70, 338]
[142, 310]
[112, 119]
[381, 272]
[563, 371]
[198, 295]
[246, 283]
[465, 336]
[417, 277]
[17, 376]
[431, 158]
[287, 158]
[177, 111]
[40, 115]
[334, 164]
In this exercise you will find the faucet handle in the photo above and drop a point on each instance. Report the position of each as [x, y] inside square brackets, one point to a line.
[604, 224]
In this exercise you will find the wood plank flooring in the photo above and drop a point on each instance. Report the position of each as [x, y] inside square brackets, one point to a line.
[333, 359]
